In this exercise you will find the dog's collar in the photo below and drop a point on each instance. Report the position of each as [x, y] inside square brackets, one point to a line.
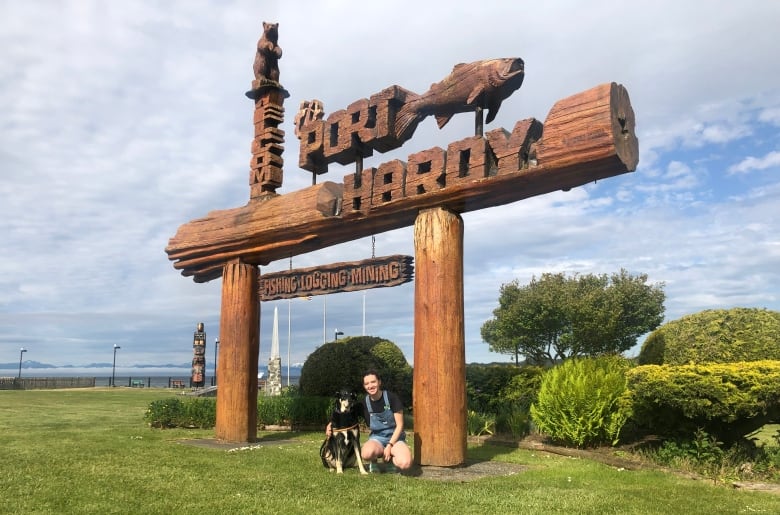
[342, 429]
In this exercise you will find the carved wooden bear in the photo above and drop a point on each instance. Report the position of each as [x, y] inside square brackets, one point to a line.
[268, 53]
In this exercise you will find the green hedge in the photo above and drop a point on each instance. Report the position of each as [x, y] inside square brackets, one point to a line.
[294, 410]
[503, 394]
[286, 409]
[484, 384]
[165, 413]
[727, 400]
[341, 364]
[715, 336]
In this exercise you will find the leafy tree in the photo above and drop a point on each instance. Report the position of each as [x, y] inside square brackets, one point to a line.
[715, 336]
[556, 317]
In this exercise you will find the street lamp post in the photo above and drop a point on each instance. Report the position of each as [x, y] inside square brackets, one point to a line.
[216, 346]
[324, 318]
[113, 368]
[21, 352]
[337, 334]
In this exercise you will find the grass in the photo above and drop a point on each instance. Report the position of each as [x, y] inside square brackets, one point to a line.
[89, 451]
[766, 435]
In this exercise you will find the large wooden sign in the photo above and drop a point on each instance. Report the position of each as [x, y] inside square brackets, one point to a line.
[585, 137]
[337, 277]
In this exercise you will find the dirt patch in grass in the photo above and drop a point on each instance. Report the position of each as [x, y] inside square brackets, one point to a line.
[469, 471]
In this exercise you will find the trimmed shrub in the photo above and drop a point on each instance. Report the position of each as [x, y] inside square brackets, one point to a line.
[190, 412]
[715, 336]
[582, 401]
[506, 392]
[293, 409]
[290, 408]
[341, 364]
[484, 384]
[308, 411]
[174, 412]
[274, 410]
[164, 413]
[199, 412]
[490, 387]
[726, 400]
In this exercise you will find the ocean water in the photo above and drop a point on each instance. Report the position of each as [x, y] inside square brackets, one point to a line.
[135, 379]
[169, 381]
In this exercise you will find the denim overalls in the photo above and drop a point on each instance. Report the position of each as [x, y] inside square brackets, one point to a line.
[382, 424]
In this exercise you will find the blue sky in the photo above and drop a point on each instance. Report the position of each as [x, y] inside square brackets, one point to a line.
[124, 120]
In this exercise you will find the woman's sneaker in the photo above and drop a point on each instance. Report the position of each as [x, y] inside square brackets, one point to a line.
[373, 468]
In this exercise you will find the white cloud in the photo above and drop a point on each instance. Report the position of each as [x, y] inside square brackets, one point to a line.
[751, 163]
[718, 133]
[770, 115]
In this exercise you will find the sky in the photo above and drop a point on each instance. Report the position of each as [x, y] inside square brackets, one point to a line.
[122, 121]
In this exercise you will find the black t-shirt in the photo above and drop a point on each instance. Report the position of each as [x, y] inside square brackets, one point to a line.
[378, 406]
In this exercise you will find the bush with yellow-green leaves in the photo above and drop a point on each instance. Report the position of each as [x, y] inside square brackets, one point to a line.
[728, 400]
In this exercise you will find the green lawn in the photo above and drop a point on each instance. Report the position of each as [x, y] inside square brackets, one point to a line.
[765, 435]
[89, 451]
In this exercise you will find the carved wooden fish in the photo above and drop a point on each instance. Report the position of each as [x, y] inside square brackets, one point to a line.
[470, 85]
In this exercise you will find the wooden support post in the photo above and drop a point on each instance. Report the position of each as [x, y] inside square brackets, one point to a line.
[239, 340]
[439, 340]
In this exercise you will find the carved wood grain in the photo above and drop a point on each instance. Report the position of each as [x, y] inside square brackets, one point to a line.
[586, 137]
[439, 396]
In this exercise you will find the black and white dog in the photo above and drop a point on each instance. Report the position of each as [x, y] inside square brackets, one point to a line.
[342, 448]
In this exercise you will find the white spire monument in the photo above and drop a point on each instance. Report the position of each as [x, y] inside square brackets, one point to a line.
[273, 385]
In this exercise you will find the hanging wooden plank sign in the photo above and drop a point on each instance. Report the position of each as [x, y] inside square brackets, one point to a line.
[337, 277]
